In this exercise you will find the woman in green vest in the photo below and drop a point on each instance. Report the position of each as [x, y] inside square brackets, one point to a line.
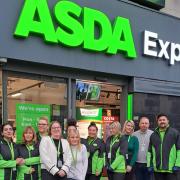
[8, 154]
[29, 151]
[116, 152]
[96, 149]
[133, 147]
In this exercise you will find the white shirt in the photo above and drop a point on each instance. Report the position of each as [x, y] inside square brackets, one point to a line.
[78, 170]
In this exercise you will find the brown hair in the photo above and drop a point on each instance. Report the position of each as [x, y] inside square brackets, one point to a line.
[50, 126]
[34, 134]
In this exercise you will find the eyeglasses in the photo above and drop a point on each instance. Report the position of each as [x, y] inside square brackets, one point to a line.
[55, 128]
[42, 124]
[8, 129]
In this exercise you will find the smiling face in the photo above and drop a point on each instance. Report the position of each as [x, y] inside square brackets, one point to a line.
[129, 127]
[43, 126]
[29, 136]
[92, 132]
[144, 124]
[7, 132]
[56, 130]
[74, 139]
[163, 122]
[115, 129]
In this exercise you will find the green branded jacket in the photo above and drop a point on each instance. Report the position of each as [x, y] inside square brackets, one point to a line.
[164, 150]
[116, 152]
[8, 155]
[96, 151]
[32, 160]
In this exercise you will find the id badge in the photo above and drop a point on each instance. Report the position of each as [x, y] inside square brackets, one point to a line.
[142, 148]
[88, 154]
[109, 155]
[59, 163]
[14, 168]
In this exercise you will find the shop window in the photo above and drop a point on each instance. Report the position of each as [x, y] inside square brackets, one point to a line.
[151, 105]
[98, 102]
[29, 99]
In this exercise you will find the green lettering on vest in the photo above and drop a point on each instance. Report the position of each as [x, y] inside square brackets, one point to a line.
[70, 32]
[122, 39]
[94, 19]
[27, 24]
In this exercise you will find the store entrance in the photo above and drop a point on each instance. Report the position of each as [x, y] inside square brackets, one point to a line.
[98, 102]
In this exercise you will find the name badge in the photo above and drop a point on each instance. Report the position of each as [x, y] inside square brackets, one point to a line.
[109, 155]
[59, 163]
[142, 148]
[14, 168]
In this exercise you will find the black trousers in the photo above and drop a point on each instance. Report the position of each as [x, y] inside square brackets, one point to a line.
[115, 176]
[48, 176]
[165, 176]
[92, 177]
[141, 172]
[129, 175]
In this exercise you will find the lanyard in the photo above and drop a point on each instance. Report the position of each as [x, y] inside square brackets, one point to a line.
[11, 149]
[113, 142]
[129, 138]
[29, 148]
[74, 156]
[58, 149]
[92, 141]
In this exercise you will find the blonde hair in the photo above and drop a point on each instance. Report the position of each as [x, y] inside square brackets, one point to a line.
[74, 132]
[125, 124]
[116, 124]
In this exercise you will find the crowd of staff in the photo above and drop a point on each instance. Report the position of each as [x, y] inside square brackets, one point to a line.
[47, 155]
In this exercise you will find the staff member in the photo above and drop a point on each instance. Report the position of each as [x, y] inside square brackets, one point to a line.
[96, 150]
[79, 155]
[8, 154]
[143, 135]
[29, 151]
[42, 128]
[55, 154]
[133, 147]
[164, 150]
[116, 152]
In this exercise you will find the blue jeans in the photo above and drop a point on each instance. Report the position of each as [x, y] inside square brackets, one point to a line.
[141, 172]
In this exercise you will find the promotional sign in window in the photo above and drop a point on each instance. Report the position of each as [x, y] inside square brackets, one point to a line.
[28, 115]
[87, 115]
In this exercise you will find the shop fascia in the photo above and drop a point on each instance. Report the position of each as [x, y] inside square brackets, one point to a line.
[153, 46]
[75, 26]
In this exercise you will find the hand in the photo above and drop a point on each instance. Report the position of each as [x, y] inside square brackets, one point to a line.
[61, 173]
[150, 169]
[32, 170]
[97, 173]
[176, 169]
[128, 168]
[20, 161]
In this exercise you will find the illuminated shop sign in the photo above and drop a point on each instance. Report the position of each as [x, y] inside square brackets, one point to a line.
[153, 46]
[76, 27]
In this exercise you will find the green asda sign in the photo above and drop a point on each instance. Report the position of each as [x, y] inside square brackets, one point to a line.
[28, 115]
[77, 26]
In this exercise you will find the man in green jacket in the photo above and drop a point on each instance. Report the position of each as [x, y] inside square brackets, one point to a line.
[164, 150]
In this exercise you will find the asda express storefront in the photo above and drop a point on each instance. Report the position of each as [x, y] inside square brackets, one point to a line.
[103, 61]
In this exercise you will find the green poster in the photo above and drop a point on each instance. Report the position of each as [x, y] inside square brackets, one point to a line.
[89, 114]
[28, 115]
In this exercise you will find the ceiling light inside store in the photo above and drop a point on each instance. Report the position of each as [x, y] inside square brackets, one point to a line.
[16, 95]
